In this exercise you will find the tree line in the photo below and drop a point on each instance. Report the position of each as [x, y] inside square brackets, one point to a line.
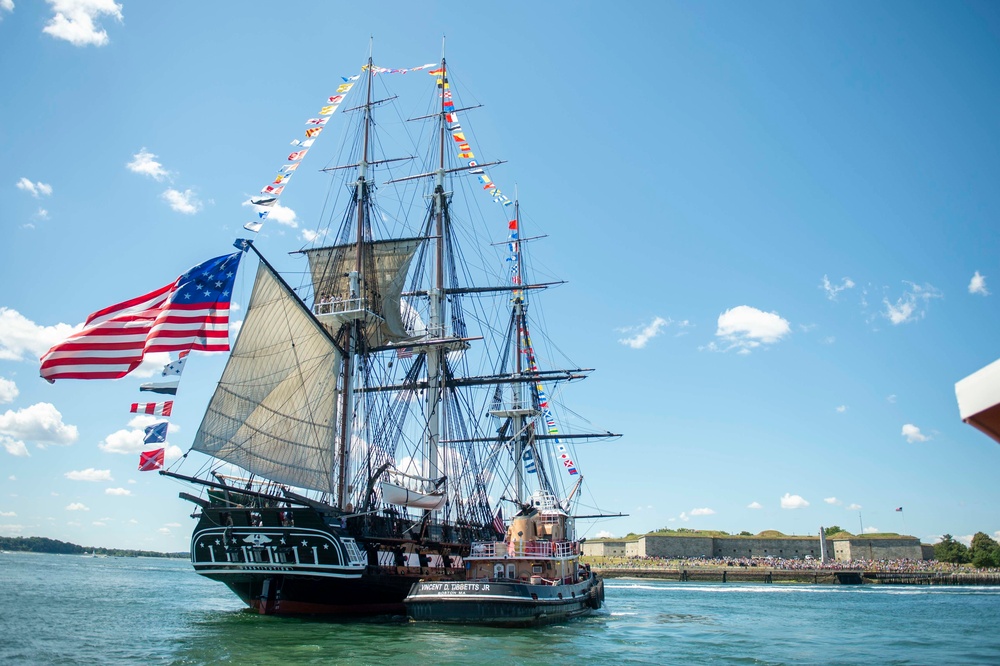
[983, 553]
[46, 545]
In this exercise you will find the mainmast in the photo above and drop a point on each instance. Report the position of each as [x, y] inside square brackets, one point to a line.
[355, 333]
[436, 353]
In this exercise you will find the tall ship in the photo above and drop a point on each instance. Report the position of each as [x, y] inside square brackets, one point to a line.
[374, 424]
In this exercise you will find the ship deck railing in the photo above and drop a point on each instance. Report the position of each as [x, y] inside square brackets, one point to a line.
[524, 548]
[525, 580]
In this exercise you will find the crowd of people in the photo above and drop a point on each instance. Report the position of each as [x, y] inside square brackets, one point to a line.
[894, 566]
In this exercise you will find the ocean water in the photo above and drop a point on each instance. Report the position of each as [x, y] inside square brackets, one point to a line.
[76, 610]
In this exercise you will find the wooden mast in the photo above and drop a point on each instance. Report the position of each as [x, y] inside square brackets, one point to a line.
[356, 302]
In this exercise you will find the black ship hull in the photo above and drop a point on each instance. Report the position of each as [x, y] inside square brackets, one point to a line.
[502, 604]
[300, 562]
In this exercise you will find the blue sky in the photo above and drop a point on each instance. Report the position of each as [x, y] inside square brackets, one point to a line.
[777, 220]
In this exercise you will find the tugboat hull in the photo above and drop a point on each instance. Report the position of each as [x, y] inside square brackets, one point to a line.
[502, 604]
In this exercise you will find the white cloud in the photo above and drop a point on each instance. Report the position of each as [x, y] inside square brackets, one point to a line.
[647, 333]
[7, 6]
[977, 285]
[281, 214]
[129, 442]
[117, 491]
[684, 517]
[75, 20]
[871, 529]
[77, 506]
[841, 409]
[310, 236]
[745, 328]
[41, 424]
[790, 501]
[755, 505]
[832, 289]
[182, 202]
[164, 530]
[22, 339]
[90, 474]
[144, 162]
[152, 364]
[702, 512]
[123, 441]
[966, 539]
[8, 390]
[34, 189]
[854, 507]
[603, 534]
[891, 399]
[912, 305]
[14, 447]
[832, 500]
[7, 514]
[912, 434]
[173, 525]
[41, 214]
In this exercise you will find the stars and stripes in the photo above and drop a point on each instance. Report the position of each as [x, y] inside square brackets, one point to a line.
[498, 524]
[190, 313]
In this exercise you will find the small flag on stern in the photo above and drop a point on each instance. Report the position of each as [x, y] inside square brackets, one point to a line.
[498, 525]
[899, 509]
[156, 433]
[150, 460]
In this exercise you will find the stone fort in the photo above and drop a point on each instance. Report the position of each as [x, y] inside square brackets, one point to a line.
[840, 547]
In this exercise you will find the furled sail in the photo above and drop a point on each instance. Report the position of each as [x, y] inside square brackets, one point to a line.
[382, 282]
[274, 411]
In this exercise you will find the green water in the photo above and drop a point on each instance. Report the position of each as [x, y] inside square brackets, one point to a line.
[75, 610]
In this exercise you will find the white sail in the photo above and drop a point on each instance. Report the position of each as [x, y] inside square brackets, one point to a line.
[380, 293]
[274, 411]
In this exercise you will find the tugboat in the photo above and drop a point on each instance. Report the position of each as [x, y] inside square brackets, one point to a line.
[532, 577]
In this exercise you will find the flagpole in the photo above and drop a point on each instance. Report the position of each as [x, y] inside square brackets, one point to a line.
[861, 524]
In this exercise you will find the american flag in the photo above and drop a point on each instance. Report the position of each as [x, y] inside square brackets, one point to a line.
[498, 525]
[190, 313]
